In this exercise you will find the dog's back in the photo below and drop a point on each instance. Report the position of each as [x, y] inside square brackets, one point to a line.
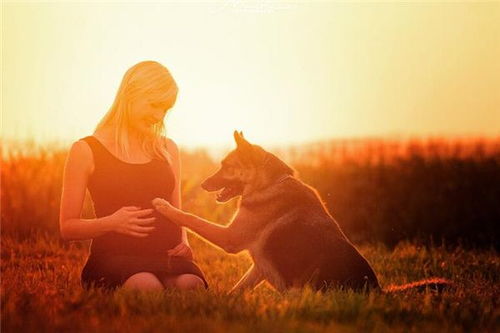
[304, 244]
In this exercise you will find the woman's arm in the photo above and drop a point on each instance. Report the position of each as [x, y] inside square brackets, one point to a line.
[76, 171]
[176, 194]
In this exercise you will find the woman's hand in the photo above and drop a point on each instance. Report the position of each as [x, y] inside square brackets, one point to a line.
[166, 208]
[126, 220]
[181, 250]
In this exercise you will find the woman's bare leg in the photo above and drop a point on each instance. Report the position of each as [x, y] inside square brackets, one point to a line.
[143, 281]
[183, 281]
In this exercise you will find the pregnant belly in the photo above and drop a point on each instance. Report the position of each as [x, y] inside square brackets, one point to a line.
[165, 236]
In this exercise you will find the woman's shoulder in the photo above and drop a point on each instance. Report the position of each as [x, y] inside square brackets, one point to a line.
[81, 147]
[171, 145]
[80, 153]
[167, 140]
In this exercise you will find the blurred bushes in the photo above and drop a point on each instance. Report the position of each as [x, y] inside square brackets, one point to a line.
[378, 190]
[437, 190]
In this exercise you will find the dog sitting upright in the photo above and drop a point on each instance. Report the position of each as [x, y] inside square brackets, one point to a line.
[281, 221]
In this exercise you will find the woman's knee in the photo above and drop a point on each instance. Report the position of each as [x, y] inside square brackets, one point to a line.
[144, 281]
[189, 281]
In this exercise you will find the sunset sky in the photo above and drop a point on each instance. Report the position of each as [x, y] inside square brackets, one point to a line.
[282, 72]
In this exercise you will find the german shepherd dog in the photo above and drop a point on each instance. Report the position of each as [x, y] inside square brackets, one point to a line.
[282, 222]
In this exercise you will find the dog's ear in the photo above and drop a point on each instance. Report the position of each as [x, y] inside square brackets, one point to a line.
[244, 147]
[237, 136]
[241, 142]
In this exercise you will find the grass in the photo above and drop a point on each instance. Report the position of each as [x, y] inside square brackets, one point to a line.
[41, 292]
[381, 192]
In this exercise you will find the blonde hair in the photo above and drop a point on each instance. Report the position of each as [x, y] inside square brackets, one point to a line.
[148, 80]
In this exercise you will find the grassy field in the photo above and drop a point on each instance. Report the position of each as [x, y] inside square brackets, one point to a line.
[41, 293]
[416, 210]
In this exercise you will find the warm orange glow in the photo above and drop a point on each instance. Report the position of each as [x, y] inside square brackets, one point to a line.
[295, 73]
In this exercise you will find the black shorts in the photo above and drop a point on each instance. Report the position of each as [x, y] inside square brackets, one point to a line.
[110, 271]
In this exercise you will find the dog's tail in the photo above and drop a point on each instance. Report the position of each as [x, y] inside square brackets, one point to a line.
[437, 284]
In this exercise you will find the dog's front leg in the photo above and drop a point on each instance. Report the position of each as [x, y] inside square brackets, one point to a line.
[219, 235]
[223, 237]
[249, 281]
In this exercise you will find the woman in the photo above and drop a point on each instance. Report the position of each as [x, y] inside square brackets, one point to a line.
[125, 164]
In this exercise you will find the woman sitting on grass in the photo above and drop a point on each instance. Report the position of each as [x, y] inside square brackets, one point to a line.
[127, 162]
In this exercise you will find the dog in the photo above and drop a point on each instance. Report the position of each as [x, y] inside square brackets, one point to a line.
[282, 222]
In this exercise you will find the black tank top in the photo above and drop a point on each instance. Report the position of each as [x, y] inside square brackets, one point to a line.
[115, 184]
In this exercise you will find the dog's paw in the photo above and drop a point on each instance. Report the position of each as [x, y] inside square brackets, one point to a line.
[162, 206]
[158, 202]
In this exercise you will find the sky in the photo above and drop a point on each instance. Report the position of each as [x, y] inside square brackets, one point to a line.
[281, 72]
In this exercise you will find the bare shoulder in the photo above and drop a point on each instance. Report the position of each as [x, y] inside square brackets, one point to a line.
[80, 154]
[172, 147]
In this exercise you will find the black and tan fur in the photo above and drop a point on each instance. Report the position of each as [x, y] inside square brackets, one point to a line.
[282, 222]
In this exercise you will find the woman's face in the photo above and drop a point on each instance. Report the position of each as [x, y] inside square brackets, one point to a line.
[145, 113]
